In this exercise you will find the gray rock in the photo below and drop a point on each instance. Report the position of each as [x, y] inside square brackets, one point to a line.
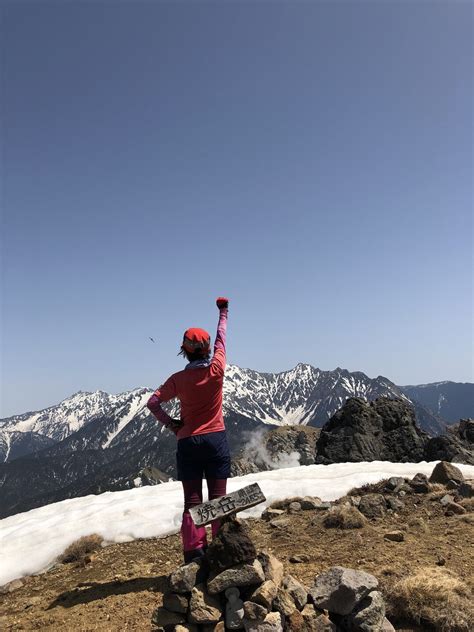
[394, 536]
[444, 472]
[204, 608]
[447, 498]
[270, 513]
[394, 482]
[175, 602]
[370, 613]
[340, 589]
[254, 611]
[453, 485]
[315, 621]
[280, 523]
[184, 578]
[11, 586]
[241, 575]
[272, 567]
[372, 505]
[271, 623]
[455, 508]
[162, 617]
[324, 506]
[310, 502]
[265, 594]
[284, 603]
[355, 501]
[297, 591]
[455, 446]
[395, 504]
[466, 489]
[299, 559]
[419, 484]
[294, 507]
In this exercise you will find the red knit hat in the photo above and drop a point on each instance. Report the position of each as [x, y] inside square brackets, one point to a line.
[196, 340]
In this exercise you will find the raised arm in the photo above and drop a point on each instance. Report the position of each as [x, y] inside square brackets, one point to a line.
[223, 305]
[219, 358]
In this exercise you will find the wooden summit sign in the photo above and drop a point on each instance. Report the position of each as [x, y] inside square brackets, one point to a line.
[227, 505]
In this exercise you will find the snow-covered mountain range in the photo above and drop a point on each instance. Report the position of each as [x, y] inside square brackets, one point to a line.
[303, 395]
[93, 442]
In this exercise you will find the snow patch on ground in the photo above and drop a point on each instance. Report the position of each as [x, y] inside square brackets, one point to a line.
[31, 541]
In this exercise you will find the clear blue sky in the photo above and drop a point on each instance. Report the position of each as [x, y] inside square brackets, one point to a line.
[311, 160]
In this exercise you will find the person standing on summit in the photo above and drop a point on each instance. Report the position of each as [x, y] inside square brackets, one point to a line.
[202, 442]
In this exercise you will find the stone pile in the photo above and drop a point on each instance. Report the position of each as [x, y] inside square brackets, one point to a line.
[234, 587]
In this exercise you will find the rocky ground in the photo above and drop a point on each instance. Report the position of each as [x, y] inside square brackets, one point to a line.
[119, 587]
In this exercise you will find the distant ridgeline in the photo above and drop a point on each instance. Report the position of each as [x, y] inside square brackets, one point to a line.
[95, 442]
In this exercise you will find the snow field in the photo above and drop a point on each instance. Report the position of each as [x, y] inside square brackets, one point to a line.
[30, 542]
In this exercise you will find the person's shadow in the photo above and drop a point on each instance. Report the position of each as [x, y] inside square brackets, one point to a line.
[94, 591]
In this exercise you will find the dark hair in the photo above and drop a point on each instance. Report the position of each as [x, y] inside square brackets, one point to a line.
[191, 357]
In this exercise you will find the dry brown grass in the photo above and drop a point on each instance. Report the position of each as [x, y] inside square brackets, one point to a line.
[344, 518]
[434, 596]
[467, 503]
[467, 518]
[80, 549]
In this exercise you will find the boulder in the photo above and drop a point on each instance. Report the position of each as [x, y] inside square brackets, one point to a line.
[466, 489]
[175, 602]
[314, 621]
[280, 523]
[254, 611]
[310, 502]
[265, 594]
[373, 506]
[183, 579]
[204, 608]
[231, 546]
[284, 603]
[297, 591]
[395, 504]
[241, 575]
[394, 482]
[394, 536]
[446, 499]
[455, 508]
[445, 472]
[270, 513]
[419, 484]
[299, 559]
[369, 614]
[294, 507]
[454, 446]
[340, 589]
[272, 567]
[271, 623]
[382, 430]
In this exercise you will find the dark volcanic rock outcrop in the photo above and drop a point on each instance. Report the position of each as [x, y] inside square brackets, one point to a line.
[457, 445]
[383, 430]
